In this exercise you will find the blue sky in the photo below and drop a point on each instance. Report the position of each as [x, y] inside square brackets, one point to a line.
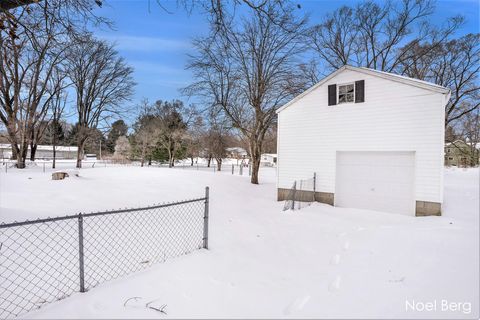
[157, 43]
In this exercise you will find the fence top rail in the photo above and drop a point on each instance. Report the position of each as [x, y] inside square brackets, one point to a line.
[91, 214]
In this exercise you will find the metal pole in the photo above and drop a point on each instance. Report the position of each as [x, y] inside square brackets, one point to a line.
[294, 195]
[44, 167]
[205, 218]
[80, 253]
[314, 184]
[249, 169]
[232, 168]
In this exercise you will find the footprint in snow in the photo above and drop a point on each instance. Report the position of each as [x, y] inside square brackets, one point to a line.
[335, 259]
[298, 304]
[335, 284]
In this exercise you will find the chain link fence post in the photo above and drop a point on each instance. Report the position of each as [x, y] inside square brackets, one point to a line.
[80, 253]
[205, 218]
[294, 195]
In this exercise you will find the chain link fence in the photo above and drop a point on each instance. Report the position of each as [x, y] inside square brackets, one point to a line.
[301, 195]
[45, 260]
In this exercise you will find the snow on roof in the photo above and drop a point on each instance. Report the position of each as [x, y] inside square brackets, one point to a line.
[269, 154]
[386, 75]
[44, 147]
[236, 149]
[457, 142]
[413, 80]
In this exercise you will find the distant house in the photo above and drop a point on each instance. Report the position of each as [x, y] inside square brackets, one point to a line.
[375, 141]
[43, 152]
[268, 159]
[461, 154]
[237, 153]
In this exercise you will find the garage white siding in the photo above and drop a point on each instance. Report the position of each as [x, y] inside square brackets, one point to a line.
[394, 117]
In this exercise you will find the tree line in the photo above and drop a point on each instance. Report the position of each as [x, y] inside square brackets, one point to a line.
[48, 58]
[260, 54]
[256, 56]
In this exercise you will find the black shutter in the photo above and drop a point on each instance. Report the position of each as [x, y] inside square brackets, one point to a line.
[332, 94]
[360, 91]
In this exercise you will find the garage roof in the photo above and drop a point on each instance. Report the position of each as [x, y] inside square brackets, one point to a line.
[386, 75]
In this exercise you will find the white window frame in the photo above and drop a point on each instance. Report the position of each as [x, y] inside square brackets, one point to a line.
[338, 92]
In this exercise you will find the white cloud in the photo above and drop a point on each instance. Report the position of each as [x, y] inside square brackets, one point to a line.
[150, 67]
[152, 73]
[146, 44]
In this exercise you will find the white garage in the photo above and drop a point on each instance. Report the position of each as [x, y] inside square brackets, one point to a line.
[373, 140]
[382, 181]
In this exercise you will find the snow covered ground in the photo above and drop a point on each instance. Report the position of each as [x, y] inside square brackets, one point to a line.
[320, 262]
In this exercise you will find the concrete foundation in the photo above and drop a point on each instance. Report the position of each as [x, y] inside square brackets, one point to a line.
[300, 195]
[425, 208]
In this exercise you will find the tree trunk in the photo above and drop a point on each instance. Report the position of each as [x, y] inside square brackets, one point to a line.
[209, 159]
[255, 153]
[191, 161]
[54, 146]
[80, 145]
[170, 157]
[33, 151]
[54, 155]
[142, 161]
[219, 164]
[15, 151]
[22, 156]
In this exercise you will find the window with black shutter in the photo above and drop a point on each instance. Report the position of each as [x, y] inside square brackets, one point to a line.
[353, 92]
[332, 94]
[360, 91]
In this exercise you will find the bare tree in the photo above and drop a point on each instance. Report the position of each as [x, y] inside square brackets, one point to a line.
[103, 83]
[32, 44]
[246, 69]
[374, 35]
[470, 130]
[217, 137]
[71, 14]
[57, 109]
[454, 64]
[46, 112]
[33, 36]
[193, 138]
